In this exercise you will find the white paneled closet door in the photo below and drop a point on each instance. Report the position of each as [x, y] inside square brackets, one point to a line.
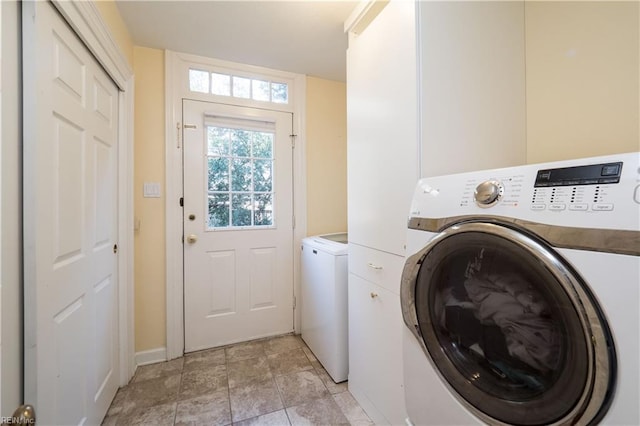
[70, 223]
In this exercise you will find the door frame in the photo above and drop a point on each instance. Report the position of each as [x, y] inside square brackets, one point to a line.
[87, 22]
[176, 88]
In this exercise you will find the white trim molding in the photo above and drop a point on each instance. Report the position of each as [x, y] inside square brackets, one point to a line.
[87, 22]
[363, 14]
[177, 89]
[151, 356]
[85, 19]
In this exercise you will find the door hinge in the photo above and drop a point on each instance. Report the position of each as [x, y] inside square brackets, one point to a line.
[294, 302]
[293, 222]
[293, 140]
[181, 202]
[178, 134]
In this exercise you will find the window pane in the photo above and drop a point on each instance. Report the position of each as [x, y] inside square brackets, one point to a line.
[260, 90]
[240, 143]
[241, 174]
[220, 84]
[240, 177]
[263, 145]
[263, 210]
[279, 93]
[218, 174]
[241, 87]
[218, 140]
[199, 81]
[241, 210]
[262, 175]
[218, 210]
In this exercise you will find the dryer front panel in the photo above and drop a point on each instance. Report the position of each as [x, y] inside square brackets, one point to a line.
[511, 329]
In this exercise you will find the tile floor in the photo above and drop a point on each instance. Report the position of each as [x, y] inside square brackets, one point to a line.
[274, 381]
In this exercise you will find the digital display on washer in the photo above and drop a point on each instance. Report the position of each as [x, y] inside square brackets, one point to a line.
[592, 174]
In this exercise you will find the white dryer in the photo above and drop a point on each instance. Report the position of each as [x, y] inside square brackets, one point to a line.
[521, 295]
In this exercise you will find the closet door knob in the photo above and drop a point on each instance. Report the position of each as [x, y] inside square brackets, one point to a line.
[192, 238]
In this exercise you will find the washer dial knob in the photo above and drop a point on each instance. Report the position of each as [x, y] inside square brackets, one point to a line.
[488, 193]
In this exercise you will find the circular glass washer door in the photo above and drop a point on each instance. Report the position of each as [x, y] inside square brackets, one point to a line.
[510, 327]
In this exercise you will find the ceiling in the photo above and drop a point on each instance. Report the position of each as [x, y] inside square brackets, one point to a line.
[300, 36]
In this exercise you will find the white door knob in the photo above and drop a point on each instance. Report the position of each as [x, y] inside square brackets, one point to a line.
[192, 238]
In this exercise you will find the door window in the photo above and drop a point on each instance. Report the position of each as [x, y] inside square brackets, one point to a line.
[240, 174]
[236, 86]
[501, 329]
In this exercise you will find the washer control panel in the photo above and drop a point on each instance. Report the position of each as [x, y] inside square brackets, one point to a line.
[579, 188]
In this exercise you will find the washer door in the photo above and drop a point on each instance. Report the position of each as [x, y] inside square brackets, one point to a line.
[509, 326]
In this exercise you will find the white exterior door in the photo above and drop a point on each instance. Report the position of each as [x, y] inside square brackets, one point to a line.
[70, 224]
[238, 224]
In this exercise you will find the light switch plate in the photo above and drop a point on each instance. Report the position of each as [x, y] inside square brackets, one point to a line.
[151, 190]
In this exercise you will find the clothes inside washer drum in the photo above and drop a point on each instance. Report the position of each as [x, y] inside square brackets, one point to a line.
[509, 302]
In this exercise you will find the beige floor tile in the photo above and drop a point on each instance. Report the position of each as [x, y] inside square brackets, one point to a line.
[309, 354]
[118, 403]
[277, 418]
[351, 409]
[150, 392]
[204, 359]
[287, 362]
[157, 415]
[254, 399]
[201, 381]
[283, 344]
[332, 386]
[109, 421]
[208, 409]
[299, 388]
[242, 351]
[160, 369]
[242, 372]
[323, 411]
[248, 383]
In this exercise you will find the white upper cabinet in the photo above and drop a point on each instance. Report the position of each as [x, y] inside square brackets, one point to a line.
[472, 85]
[382, 128]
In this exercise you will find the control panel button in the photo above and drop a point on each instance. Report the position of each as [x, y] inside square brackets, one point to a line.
[538, 206]
[557, 207]
[610, 170]
[579, 207]
[602, 207]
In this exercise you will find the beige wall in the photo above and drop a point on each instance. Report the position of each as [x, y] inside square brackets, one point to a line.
[582, 79]
[149, 166]
[119, 31]
[326, 151]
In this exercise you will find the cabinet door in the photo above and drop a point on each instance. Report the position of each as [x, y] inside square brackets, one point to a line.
[375, 351]
[382, 128]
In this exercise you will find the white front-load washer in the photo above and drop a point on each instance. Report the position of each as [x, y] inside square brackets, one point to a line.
[521, 294]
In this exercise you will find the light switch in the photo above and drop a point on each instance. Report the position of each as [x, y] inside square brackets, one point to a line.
[151, 190]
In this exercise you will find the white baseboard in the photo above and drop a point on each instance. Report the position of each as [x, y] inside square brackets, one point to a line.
[151, 356]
